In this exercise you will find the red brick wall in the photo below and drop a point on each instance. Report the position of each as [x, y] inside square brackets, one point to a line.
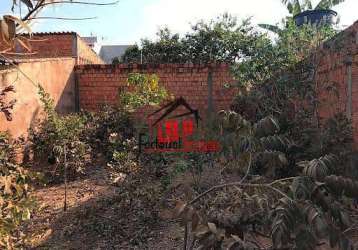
[46, 45]
[60, 45]
[99, 84]
[336, 58]
[56, 45]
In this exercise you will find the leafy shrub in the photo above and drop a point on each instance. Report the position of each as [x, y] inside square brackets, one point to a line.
[16, 204]
[124, 160]
[112, 128]
[59, 136]
[107, 129]
[337, 134]
[145, 90]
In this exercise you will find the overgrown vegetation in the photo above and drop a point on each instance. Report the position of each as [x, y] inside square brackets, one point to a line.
[73, 141]
[69, 140]
[144, 91]
[220, 40]
[300, 196]
[252, 54]
[16, 203]
[59, 140]
[290, 163]
[283, 179]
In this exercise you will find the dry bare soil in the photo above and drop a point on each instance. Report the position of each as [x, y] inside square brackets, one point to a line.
[93, 219]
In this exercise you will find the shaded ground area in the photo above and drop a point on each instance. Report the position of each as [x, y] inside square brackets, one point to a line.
[103, 215]
[96, 219]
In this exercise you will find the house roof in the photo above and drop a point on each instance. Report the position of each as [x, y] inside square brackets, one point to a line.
[50, 33]
[109, 52]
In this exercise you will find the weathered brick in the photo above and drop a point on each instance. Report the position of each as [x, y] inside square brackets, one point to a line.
[189, 81]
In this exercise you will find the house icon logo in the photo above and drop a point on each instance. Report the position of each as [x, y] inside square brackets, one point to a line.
[172, 106]
[174, 133]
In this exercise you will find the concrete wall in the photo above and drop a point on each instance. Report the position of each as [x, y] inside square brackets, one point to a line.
[55, 75]
[86, 55]
[51, 65]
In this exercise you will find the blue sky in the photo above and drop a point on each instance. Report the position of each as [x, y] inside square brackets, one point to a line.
[130, 20]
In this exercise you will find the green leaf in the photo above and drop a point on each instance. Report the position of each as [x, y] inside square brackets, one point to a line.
[293, 6]
[328, 4]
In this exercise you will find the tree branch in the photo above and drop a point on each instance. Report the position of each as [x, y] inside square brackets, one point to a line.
[63, 18]
[248, 169]
[43, 3]
[239, 184]
[34, 10]
[80, 2]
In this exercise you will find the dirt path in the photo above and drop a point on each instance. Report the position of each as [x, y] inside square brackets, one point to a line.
[90, 221]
